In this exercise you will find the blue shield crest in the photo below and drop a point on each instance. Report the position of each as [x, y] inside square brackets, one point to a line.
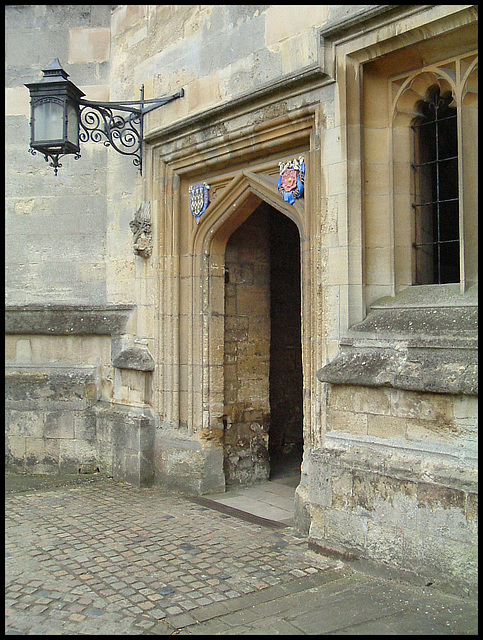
[198, 199]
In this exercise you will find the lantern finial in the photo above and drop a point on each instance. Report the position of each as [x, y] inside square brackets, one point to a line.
[54, 69]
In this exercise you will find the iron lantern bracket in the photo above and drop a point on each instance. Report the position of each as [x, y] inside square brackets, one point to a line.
[102, 122]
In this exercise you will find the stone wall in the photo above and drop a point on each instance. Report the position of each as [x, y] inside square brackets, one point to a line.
[388, 369]
[406, 416]
[396, 482]
[247, 351]
[55, 226]
[63, 262]
[56, 422]
[77, 393]
[50, 420]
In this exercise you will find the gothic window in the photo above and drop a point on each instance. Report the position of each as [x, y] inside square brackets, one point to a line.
[436, 206]
[434, 154]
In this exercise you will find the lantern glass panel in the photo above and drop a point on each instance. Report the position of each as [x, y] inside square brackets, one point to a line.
[48, 121]
[72, 124]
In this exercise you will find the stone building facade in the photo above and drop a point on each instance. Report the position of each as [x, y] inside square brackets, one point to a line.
[335, 321]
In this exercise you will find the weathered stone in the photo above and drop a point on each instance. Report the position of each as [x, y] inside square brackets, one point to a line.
[416, 348]
[184, 464]
[125, 441]
[58, 424]
[188, 369]
[134, 357]
[66, 319]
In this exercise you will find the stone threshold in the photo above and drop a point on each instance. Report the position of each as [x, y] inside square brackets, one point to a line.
[237, 513]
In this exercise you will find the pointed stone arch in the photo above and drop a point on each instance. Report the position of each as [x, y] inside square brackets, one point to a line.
[413, 89]
[458, 76]
[238, 200]
[242, 170]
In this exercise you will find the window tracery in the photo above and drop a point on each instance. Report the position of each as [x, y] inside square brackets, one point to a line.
[432, 121]
[436, 206]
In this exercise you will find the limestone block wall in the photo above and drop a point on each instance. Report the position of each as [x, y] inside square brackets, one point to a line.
[77, 394]
[55, 225]
[396, 482]
[67, 255]
[215, 52]
[56, 422]
[392, 478]
[53, 384]
[247, 352]
[50, 420]
[411, 417]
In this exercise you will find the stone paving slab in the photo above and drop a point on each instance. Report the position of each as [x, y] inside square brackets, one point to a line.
[108, 558]
[258, 508]
[350, 603]
[272, 500]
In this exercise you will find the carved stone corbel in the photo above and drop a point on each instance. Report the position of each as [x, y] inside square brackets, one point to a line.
[131, 354]
[141, 228]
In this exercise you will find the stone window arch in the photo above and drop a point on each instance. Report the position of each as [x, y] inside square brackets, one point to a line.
[416, 244]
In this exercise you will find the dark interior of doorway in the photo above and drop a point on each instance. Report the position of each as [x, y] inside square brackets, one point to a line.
[286, 380]
[263, 391]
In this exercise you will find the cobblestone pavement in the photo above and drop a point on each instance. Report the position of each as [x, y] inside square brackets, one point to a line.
[108, 558]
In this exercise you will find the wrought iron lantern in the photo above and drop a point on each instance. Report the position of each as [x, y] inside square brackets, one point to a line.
[54, 115]
[60, 119]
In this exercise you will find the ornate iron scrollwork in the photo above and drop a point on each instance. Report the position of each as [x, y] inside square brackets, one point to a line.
[54, 158]
[105, 122]
[122, 132]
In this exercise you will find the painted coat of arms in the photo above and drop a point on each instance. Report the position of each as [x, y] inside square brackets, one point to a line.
[199, 199]
[292, 178]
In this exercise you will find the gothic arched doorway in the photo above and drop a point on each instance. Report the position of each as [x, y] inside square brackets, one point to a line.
[263, 412]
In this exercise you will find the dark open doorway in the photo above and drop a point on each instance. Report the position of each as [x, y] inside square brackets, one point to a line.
[263, 361]
[286, 381]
